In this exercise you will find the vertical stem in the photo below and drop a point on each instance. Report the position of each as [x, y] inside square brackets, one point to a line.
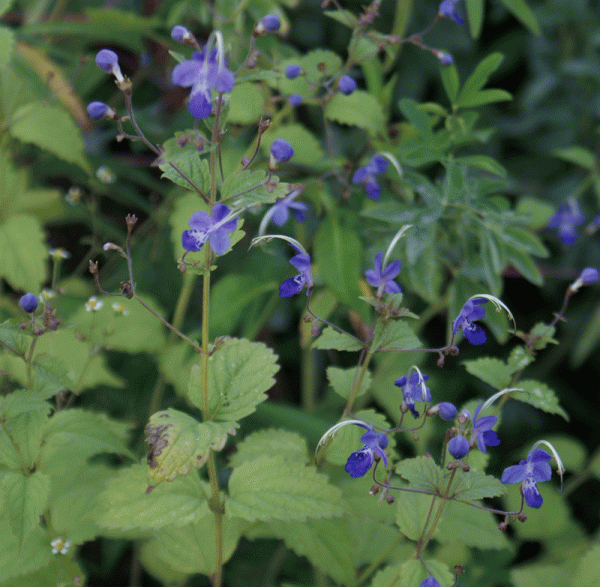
[308, 379]
[361, 369]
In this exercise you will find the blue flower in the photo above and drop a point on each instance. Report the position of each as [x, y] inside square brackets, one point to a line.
[414, 390]
[347, 84]
[281, 209]
[447, 8]
[469, 313]
[209, 228]
[270, 23]
[290, 287]
[203, 73]
[566, 218]
[98, 110]
[458, 446]
[292, 71]
[482, 431]
[587, 277]
[445, 58]
[295, 99]
[530, 471]
[384, 281]
[281, 150]
[180, 34]
[430, 582]
[360, 462]
[366, 176]
[29, 302]
[447, 411]
[107, 60]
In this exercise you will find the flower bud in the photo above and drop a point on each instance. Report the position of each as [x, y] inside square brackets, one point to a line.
[98, 110]
[268, 24]
[588, 276]
[292, 71]
[29, 302]
[180, 34]
[447, 411]
[458, 447]
[295, 99]
[347, 84]
[281, 151]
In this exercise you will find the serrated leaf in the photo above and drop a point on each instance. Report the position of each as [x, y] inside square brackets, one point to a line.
[73, 436]
[187, 159]
[542, 335]
[412, 573]
[422, 473]
[491, 370]
[412, 510]
[50, 128]
[246, 104]
[396, 334]
[332, 339]
[476, 485]
[247, 188]
[320, 63]
[358, 109]
[178, 442]
[124, 505]
[24, 254]
[307, 148]
[49, 376]
[25, 431]
[518, 359]
[20, 402]
[35, 553]
[271, 442]
[540, 396]
[239, 374]
[25, 499]
[341, 380]
[586, 574]
[13, 337]
[268, 488]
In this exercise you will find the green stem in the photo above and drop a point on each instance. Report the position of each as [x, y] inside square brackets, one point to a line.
[379, 560]
[361, 370]
[308, 378]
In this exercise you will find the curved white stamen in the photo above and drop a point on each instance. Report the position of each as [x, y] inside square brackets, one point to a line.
[498, 303]
[494, 397]
[396, 238]
[559, 463]
[421, 382]
[289, 239]
[336, 427]
[267, 217]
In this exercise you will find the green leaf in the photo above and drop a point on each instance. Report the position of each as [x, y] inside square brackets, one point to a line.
[521, 11]
[12, 336]
[4, 6]
[327, 544]
[7, 41]
[471, 526]
[247, 188]
[412, 573]
[475, 14]
[25, 431]
[239, 374]
[332, 339]
[476, 485]
[178, 441]
[50, 128]
[25, 499]
[412, 510]
[541, 576]
[396, 334]
[358, 109]
[450, 81]
[540, 396]
[518, 359]
[188, 160]
[24, 255]
[417, 117]
[536, 212]
[480, 76]
[35, 554]
[578, 156]
[245, 104]
[320, 63]
[72, 436]
[21, 402]
[271, 442]
[422, 472]
[123, 505]
[493, 371]
[542, 335]
[307, 148]
[341, 380]
[343, 16]
[484, 97]
[483, 162]
[586, 574]
[525, 241]
[269, 488]
[525, 264]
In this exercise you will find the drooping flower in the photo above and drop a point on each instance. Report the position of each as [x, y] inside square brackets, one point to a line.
[206, 227]
[295, 99]
[180, 34]
[367, 176]
[204, 72]
[447, 8]
[565, 220]
[281, 209]
[108, 61]
[347, 84]
[468, 314]
[482, 432]
[384, 280]
[29, 302]
[360, 461]
[290, 287]
[414, 390]
[292, 71]
[281, 150]
[530, 471]
[458, 446]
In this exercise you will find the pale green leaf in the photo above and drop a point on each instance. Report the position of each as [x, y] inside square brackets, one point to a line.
[518, 359]
[186, 159]
[422, 473]
[4, 6]
[269, 488]
[542, 576]
[491, 370]
[13, 337]
[332, 339]
[178, 442]
[358, 109]
[577, 155]
[35, 554]
[320, 63]
[246, 104]
[484, 97]
[411, 512]
[50, 128]
[7, 41]
[307, 148]
[24, 254]
[475, 10]
[25, 499]
[540, 396]
[239, 374]
[272, 443]
[450, 81]
[247, 188]
[525, 241]
[343, 16]
[342, 379]
[476, 485]
[536, 212]
[586, 574]
[395, 334]
[20, 402]
[25, 430]
[411, 573]
[523, 12]
[124, 505]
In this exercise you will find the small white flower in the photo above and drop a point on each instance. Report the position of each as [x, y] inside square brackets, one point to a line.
[73, 195]
[93, 304]
[105, 174]
[60, 546]
[46, 294]
[119, 308]
[59, 253]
